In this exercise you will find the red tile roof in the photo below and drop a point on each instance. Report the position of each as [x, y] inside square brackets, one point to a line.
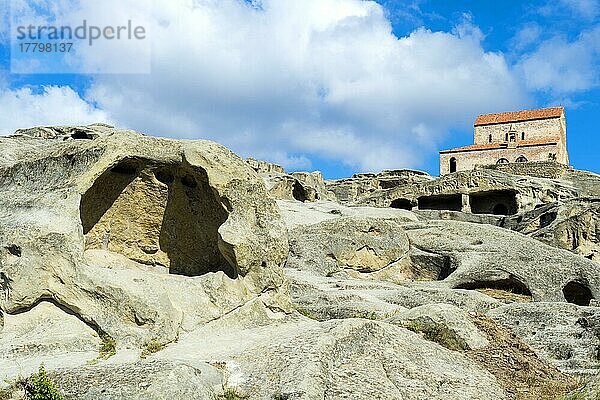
[493, 146]
[516, 116]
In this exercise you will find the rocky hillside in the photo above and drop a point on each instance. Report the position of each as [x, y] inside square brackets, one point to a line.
[134, 267]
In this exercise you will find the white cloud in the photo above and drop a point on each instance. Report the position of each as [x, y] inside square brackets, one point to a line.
[51, 106]
[562, 67]
[527, 36]
[296, 79]
[585, 8]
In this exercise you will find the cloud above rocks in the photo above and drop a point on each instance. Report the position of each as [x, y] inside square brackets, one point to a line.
[50, 105]
[291, 81]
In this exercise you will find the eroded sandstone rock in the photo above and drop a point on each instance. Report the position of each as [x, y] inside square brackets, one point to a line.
[189, 208]
[352, 358]
[573, 226]
[480, 191]
[564, 334]
[453, 320]
[173, 251]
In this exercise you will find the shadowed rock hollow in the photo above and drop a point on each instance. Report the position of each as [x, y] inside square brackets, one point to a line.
[161, 215]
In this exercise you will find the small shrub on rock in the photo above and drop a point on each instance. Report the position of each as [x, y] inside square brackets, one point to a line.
[231, 394]
[39, 386]
[108, 346]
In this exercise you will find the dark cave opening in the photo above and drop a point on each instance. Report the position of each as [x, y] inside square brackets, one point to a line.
[510, 285]
[298, 192]
[451, 202]
[577, 293]
[496, 202]
[403, 204]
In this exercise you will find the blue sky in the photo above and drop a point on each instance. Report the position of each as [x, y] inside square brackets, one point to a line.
[340, 86]
[518, 29]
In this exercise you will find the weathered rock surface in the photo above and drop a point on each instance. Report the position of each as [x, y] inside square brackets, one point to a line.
[353, 189]
[356, 246]
[483, 259]
[302, 214]
[484, 189]
[352, 358]
[152, 380]
[299, 186]
[573, 226]
[455, 321]
[145, 268]
[263, 167]
[564, 334]
[451, 254]
[45, 334]
[191, 208]
[484, 256]
[339, 297]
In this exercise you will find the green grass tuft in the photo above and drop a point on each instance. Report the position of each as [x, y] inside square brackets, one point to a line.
[307, 313]
[108, 346]
[151, 347]
[231, 394]
[38, 386]
[438, 334]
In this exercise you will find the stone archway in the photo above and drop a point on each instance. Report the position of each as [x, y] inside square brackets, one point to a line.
[521, 159]
[453, 165]
[161, 215]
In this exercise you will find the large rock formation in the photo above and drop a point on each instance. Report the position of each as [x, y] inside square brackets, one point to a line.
[572, 225]
[140, 238]
[146, 268]
[480, 191]
[360, 186]
[299, 186]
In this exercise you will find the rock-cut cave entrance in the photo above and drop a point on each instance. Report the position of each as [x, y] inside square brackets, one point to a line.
[452, 202]
[509, 288]
[161, 215]
[403, 204]
[577, 293]
[496, 202]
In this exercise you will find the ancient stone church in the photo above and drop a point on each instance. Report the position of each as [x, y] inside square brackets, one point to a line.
[512, 137]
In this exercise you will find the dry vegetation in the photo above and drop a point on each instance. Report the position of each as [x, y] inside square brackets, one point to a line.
[519, 370]
[506, 295]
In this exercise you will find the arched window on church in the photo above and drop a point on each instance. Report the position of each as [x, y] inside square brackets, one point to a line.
[490, 139]
[506, 137]
[522, 135]
[502, 161]
[521, 159]
[452, 165]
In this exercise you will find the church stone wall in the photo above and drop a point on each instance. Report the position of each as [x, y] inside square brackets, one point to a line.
[536, 129]
[468, 160]
[550, 170]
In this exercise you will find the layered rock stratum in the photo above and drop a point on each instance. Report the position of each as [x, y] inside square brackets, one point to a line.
[135, 267]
